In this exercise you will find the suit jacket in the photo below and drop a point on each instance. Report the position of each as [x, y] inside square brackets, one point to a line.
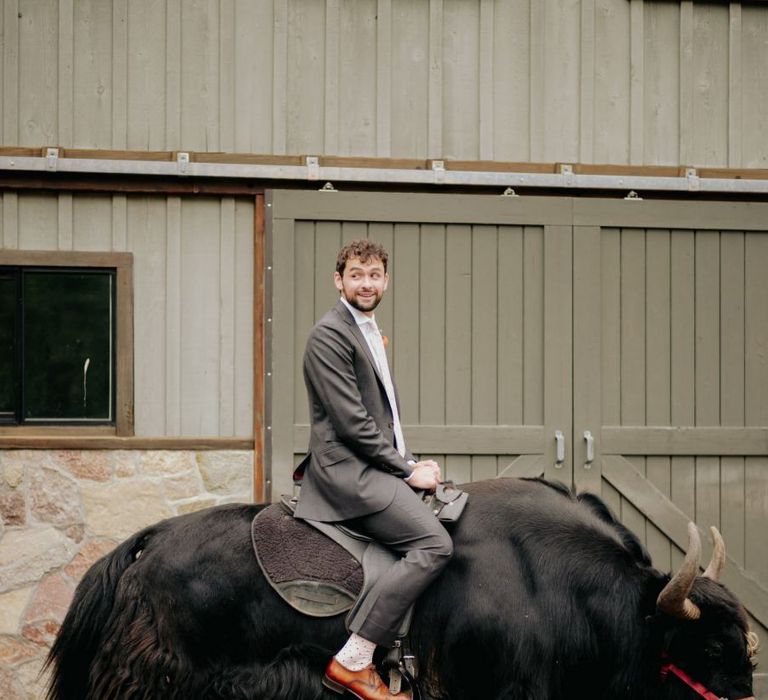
[352, 466]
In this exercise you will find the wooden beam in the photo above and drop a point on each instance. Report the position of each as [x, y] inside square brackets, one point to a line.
[259, 399]
[679, 441]
[60, 182]
[51, 441]
[458, 439]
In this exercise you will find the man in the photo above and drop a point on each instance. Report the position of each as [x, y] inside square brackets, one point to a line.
[358, 469]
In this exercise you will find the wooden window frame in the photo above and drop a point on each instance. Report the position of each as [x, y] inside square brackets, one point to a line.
[122, 263]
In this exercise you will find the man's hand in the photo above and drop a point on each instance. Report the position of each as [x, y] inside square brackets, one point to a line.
[426, 475]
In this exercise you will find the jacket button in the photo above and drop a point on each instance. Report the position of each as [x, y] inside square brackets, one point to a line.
[390, 425]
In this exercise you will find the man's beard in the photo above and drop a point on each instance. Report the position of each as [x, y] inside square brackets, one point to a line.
[373, 301]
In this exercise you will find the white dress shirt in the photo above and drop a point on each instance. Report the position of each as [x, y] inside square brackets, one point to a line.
[372, 335]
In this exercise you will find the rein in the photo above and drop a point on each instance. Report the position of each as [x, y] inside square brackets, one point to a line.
[697, 687]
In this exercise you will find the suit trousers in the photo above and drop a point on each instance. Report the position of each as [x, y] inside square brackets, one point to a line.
[408, 527]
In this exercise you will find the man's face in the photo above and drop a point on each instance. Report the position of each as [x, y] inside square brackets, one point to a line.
[363, 283]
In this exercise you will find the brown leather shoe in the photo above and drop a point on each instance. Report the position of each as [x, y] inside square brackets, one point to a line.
[365, 684]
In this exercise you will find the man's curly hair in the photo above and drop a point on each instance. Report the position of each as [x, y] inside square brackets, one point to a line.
[364, 249]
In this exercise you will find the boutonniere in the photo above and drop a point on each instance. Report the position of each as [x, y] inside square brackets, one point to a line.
[384, 339]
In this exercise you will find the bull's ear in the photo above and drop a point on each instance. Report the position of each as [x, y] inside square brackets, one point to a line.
[673, 599]
[716, 564]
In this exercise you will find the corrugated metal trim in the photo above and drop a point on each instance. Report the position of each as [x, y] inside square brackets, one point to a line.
[388, 171]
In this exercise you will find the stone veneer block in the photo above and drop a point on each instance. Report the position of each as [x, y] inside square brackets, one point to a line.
[13, 474]
[42, 632]
[53, 497]
[51, 600]
[120, 508]
[15, 650]
[12, 689]
[92, 465]
[227, 473]
[181, 486]
[13, 506]
[15, 463]
[12, 607]
[27, 555]
[125, 462]
[164, 462]
[32, 680]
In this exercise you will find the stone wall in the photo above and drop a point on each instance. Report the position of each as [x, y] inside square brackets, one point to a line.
[63, 510]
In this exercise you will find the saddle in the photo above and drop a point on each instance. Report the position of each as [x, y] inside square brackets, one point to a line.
[325, 569]
[319, 569]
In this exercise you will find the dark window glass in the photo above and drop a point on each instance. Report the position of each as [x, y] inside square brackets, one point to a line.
[57, 345]
[68, 345]
[7, 346]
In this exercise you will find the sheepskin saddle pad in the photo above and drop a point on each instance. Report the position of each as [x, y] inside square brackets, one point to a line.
[310, 571]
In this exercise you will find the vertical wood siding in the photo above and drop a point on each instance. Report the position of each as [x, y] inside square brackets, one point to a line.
[684, 329]
[605, 81]
[193, 297]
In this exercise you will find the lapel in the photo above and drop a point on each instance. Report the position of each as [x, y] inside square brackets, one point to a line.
[357, 334]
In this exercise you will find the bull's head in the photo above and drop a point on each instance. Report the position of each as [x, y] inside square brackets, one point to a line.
[675, 601]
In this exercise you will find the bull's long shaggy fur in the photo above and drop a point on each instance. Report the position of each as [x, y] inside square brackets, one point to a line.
[147, 621]
[547, 597]
[572, 581]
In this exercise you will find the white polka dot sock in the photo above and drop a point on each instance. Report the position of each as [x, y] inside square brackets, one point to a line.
[356, 654]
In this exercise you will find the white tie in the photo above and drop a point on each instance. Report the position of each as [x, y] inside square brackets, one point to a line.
[380, 355]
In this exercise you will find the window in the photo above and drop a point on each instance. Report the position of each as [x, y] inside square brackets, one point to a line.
[63, 344]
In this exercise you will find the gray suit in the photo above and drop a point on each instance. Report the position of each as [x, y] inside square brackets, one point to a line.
[354, 473]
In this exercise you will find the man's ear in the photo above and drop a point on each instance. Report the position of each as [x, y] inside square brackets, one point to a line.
[337, 281]
[386, 280]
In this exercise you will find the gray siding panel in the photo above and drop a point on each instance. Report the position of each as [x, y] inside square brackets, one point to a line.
[602, 81]
[193, 297]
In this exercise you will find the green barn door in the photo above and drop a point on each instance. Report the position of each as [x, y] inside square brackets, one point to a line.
[478, 315]
[671, 376]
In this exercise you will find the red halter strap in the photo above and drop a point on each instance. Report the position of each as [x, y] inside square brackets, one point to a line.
[697, 687]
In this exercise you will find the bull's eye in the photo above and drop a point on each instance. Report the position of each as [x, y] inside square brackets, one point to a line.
[714, 650]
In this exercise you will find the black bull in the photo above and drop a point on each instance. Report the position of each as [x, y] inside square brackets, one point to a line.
[547, 597]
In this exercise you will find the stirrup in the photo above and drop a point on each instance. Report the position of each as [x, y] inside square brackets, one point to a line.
[399, 663]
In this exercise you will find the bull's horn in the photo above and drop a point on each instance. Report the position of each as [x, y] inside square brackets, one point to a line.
[673, 600]
[717, 562]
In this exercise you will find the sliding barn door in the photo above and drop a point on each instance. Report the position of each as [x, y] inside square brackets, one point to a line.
[671, 376]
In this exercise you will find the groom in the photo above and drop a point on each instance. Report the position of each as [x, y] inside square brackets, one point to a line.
[358, 469]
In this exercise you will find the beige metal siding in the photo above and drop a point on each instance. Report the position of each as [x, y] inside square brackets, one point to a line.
[605, 81]
[193, 297]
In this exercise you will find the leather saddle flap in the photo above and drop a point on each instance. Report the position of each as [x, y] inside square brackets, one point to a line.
[319, 569]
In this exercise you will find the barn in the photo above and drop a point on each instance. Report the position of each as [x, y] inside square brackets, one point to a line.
[574, 194]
